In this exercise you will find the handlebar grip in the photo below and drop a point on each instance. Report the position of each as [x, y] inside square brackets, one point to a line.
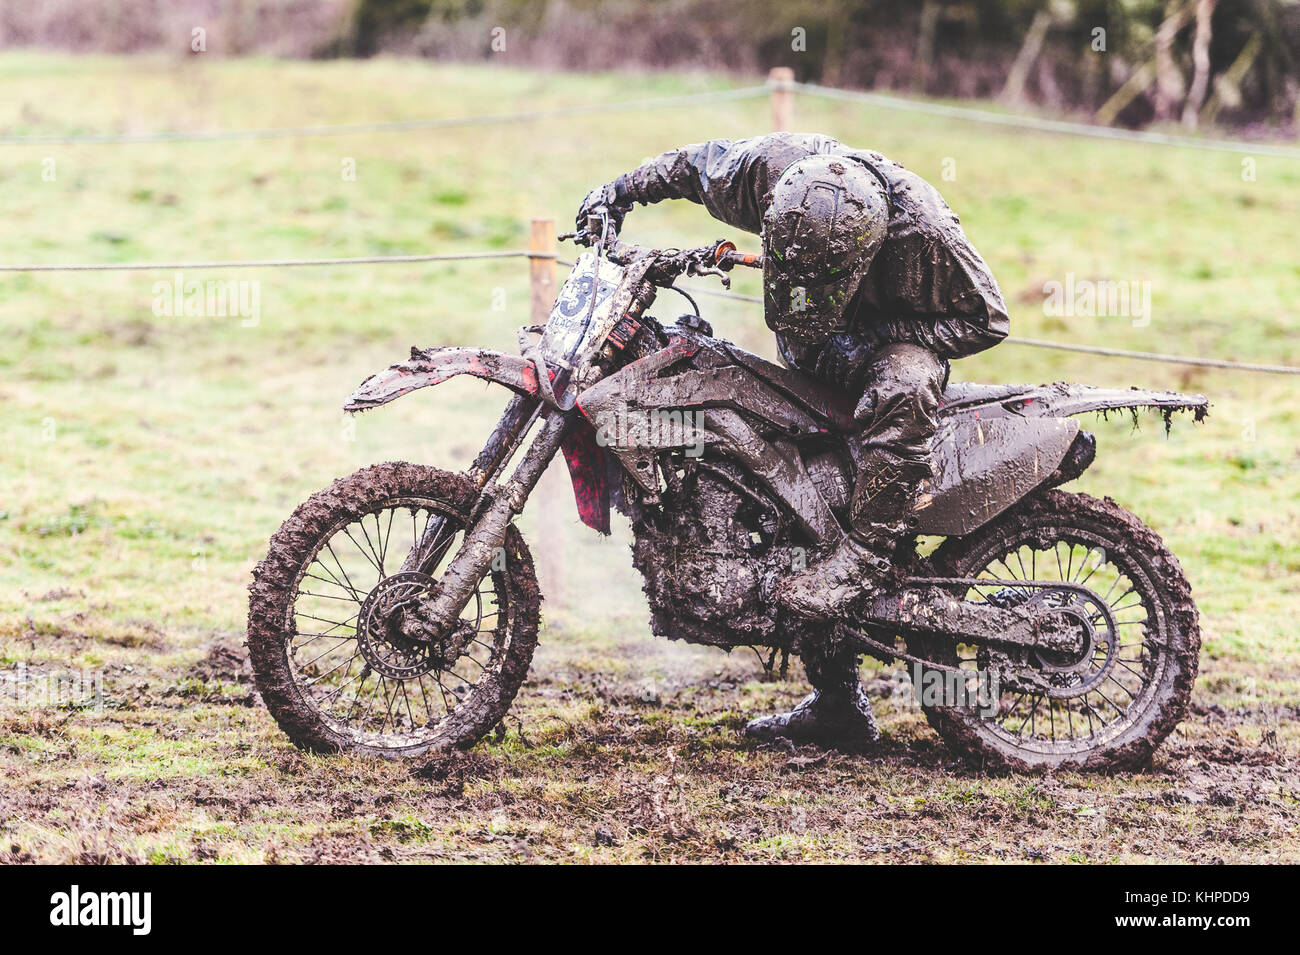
[726, 257]
[753, 260]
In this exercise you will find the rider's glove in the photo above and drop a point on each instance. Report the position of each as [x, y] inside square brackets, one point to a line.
[844, 360]
[605, 199]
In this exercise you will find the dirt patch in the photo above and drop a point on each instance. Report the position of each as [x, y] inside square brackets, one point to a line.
[1227, 750]
[346, 847]
[224, 661]
[222, 675]
[58, 593]
[451, 771]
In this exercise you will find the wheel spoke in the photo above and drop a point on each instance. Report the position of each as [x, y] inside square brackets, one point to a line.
[373, 555]
[308, 593]
[336, 623]
[347, 580]
[383, 553]
[346, 682]
[333, 580]
[314, 681]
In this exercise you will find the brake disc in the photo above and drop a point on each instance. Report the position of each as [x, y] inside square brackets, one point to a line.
[381, 622]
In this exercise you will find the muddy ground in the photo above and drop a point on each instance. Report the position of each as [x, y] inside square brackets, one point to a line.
[182, 764]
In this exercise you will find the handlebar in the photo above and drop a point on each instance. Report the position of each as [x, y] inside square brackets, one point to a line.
[668, 264]
[601, 231]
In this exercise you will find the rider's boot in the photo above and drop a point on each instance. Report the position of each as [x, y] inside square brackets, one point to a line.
[859, 566]
[852, 572]
[836, 713]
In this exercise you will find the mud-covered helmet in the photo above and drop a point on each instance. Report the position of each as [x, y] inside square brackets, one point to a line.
[827, 218]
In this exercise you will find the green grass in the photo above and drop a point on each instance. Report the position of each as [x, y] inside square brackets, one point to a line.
[146, 460]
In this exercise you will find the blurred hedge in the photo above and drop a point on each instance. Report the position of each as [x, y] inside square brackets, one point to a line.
[959, 48]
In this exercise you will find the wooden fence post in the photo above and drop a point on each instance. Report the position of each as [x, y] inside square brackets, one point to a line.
[541, 271]
[552, 495]
[781, 82]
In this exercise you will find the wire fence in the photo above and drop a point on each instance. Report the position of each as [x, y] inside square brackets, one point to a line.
[274, 263]
[1156, 356]
[881, 100]
[1043, 124]
[1086, 349]
[1034, 123]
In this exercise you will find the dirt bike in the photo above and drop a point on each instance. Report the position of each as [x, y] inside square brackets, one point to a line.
[397, 611]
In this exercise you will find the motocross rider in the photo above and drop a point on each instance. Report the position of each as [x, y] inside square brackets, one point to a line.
[871, 285]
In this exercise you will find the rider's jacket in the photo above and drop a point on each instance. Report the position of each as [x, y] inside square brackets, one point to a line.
[925, 285]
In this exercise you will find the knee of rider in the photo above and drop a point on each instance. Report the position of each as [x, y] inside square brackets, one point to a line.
[903, 382]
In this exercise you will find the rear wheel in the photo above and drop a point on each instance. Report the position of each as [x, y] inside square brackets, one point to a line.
[326, 611]
[1110, 704]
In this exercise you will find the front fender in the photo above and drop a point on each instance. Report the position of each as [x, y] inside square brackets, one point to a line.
[433, 366]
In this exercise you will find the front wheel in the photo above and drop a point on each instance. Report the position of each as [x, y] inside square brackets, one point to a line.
[1107, 706]
[325, 619]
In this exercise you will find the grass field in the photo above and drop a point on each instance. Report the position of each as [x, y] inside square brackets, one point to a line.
[145, 461]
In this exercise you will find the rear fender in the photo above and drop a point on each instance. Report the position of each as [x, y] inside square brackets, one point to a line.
[996, 444]
[433, 366]
[1060, 400]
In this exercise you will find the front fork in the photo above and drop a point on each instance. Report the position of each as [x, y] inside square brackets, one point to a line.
[498, 503]
[497, 506]
[501, 444]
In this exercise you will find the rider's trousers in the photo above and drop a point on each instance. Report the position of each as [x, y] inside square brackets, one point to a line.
[896, 418]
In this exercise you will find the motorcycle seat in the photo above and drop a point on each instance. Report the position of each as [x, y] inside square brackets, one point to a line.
[962, 394]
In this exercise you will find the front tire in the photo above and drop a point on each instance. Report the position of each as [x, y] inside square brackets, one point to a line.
[335, 670]
[1112, 705]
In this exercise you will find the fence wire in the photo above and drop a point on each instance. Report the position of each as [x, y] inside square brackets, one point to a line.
[750, 92]
[1042, 124]
[274, 263]
[1086, 349]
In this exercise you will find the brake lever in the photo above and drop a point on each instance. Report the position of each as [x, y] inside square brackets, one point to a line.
[589, 237]
[702, 270]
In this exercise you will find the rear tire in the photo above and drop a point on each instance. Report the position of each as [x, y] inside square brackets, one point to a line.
[1143, 677]
[303, 579]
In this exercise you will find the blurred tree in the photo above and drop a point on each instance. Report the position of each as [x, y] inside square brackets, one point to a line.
[1125, 61]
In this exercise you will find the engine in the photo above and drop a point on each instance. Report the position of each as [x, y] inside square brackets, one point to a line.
[706, 552]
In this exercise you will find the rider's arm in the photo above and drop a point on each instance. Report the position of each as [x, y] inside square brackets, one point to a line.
[950, 336]
[730, 178]
[977, 322]
[952, 306]
[677, 174]
[717, 174]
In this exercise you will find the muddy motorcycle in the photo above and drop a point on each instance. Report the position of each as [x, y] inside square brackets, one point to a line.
[397, 611]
